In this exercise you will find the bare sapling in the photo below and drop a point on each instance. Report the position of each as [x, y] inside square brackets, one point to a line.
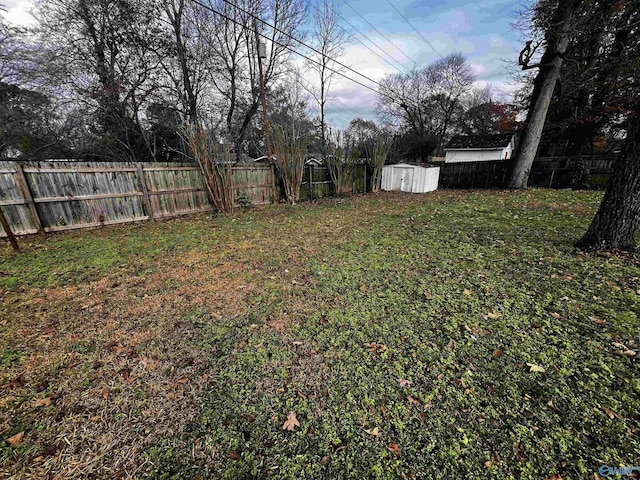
[215, 163]
[290, 153]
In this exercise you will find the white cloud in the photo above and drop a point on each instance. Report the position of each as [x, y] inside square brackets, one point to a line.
[18, 12]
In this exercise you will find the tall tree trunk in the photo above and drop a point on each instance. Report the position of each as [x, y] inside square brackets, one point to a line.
[617, 219]
[549, 71]
[175, 12]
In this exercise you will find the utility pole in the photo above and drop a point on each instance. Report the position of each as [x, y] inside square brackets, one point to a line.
[262, 53]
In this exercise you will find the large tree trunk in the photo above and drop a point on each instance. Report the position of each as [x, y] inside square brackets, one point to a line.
[617, 219]
[557, 41]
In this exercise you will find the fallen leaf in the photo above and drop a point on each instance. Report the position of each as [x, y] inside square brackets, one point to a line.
[42, 402]
[467, 292]
[535, 368]
[413, 401]
[450, 344]
[555, 315]
[393, 448]
[428, 296]
[180, 381]
[375, 432]
[598, 321]
[494, 315]
[324, 460]
[496, 353]
[257, 346]
[609, 412]
[297, 343]
[374, 347]
[96, 418]
[16, 439]
[404, 382]
[627, 353]
[291, 422]
[234, 455]
[488, 464]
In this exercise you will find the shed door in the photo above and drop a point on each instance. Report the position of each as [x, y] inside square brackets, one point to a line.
[402, 179]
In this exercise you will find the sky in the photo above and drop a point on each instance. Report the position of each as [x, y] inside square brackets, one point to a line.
[479, 29]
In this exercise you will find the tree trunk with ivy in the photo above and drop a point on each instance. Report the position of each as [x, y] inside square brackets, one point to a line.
[618, 217]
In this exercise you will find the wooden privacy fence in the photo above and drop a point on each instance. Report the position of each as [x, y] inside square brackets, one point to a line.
[317, 183]
[588, 171]
[492, 174]
[52, 196]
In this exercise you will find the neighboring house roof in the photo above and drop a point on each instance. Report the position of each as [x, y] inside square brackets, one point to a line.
[479, 142]
[313, 161]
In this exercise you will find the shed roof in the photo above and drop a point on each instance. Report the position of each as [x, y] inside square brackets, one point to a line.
[489, 142]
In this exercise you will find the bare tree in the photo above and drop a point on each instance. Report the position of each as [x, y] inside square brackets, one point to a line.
[216, 167]
[329, 39]
[377, 152]
[557, 36]
[105, 51]
[8, 40]
[186, 66]
[427, 102]
[341, 160]
[233, 65]
[290, 153]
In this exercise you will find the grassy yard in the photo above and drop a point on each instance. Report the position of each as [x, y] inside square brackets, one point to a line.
[447, 335]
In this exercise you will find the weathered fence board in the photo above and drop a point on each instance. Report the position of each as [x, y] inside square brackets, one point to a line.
[256, 181]
[52, 196]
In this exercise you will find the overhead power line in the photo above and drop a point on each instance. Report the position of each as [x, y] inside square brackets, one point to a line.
[416, 30]
[291, 49]
[364, 44]
[396, 62]
[380, 33]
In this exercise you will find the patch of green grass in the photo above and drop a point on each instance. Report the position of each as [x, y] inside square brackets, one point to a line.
[437, 288]
[420, 316]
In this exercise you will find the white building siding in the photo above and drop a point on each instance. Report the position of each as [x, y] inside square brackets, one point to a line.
[409, 178]
[457, 156]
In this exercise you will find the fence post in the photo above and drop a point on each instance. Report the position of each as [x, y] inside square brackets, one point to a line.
[23, 186]
[146, 199]
[274, 189]
[7, 230]
[365, 179]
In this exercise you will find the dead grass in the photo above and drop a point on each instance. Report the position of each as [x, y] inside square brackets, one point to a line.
[116, 355]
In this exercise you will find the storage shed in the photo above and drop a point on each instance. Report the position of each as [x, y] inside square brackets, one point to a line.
[410, 178]
[479, 148]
